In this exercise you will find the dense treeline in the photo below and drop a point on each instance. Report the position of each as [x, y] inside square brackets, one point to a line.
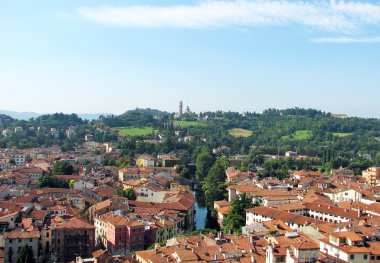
[136, 118]
[49, 130]
[274, 132]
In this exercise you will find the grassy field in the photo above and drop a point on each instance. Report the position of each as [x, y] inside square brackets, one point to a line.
[130, 131]
[238, 132]
[298, 135]
[189, 123]
[342, 134]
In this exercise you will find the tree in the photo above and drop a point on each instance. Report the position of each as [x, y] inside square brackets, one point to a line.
[167, 184]
[71, 184]
[203, 163]
[183, 171]
[128, 193]
[43, 182]
[214, 187]
[119, 192]
[235, 219]
[46, 181]
[25, 255]
[377, 159]
[62, 168]
[42, 259]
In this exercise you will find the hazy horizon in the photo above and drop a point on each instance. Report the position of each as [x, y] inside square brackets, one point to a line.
[170, 111]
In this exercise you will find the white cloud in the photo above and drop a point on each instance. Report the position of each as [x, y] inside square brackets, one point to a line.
[347, 40]
[341, 16]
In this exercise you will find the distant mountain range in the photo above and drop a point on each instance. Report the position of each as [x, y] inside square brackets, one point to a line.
[28, 115]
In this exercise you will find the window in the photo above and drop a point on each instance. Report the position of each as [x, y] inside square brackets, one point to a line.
[352, 256]
[365, 256]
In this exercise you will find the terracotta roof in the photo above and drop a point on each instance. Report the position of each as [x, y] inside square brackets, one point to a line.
[179, 201]
[275, 198]
[346, 248]
[73, 223]
[26, 223]
[307, 173]
[276, 225]
[224, 210]
[97, 253]
[312, 196]
[374, 248]
[38, 214]
[281, 215]
[134, 223]
[348, 234]
[245, 188]
[290, 207]
[57, 207]
[113, 219]
[185, 255]
[332, 210]
[54, 190]
[222, 203]
[22, 234]
[31, 170]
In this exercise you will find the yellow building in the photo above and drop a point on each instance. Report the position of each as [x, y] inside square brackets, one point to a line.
[145, 161]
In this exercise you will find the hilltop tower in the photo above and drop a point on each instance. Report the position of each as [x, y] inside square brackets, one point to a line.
[180, 110]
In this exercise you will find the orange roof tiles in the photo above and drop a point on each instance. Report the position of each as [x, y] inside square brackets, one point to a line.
[73, 223]
[332, 210]
[21, 234]
[281, 215]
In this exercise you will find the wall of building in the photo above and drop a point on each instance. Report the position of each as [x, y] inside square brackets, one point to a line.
[13, 245]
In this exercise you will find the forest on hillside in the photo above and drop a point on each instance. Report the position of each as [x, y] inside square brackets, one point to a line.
[305, 131]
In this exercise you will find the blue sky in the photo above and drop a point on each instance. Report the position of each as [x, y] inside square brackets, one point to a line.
[111, 56]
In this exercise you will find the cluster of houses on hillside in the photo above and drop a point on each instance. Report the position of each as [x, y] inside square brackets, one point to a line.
[89, 220]
[307, 217]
